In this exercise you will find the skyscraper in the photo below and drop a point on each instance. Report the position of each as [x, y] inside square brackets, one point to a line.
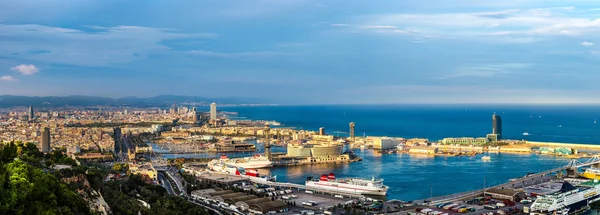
[195, 118]
[46, 140]
[497, 125]
[321, 131]
[352, 131]
[213, 111]
[31, 114]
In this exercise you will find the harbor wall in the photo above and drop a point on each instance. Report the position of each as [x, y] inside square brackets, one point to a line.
[566, 145]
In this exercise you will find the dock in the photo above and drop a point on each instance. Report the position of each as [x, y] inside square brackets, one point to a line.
[226, 178]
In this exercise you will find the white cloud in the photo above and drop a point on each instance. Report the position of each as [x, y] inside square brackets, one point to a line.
[586, 43]
[340, 25]
[486, 70]
[92, 46]
[380, 27]
[538, 23]
[7, 78]
[26, 69]
[235, 55]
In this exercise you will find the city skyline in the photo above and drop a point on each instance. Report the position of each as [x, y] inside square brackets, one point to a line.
[304, 52]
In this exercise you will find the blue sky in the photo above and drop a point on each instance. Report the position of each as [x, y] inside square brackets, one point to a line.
[305, 52]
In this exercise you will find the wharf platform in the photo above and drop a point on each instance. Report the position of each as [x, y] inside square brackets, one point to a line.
[226, 178]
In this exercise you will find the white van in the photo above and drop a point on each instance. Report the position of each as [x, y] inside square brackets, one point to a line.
[339, 196]
[309, 192]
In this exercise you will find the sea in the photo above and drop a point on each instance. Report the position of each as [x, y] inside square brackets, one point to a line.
[413, 177]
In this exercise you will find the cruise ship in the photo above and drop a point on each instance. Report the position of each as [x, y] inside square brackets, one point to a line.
[349, 185]
[591, 173]
[569, 200]
[255, 162]
[252, 174]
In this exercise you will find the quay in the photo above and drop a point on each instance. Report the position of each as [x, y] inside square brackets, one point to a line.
[230, 179]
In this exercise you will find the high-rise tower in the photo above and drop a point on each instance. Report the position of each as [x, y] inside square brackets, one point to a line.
[213, 111]
[497, 126]
[46, 140]
[31, 114]
[322, 131]
[352, 131]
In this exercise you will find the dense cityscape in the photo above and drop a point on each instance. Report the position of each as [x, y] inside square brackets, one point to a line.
[299, 107]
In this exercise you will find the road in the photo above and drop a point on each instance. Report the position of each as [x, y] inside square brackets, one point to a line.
[165, 183]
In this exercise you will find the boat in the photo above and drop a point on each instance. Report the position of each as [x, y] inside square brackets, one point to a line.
[525, 134]
[568, 200]
[252, 174]
[348, 185]
[591, 173]
[486, 158]
[255, 162]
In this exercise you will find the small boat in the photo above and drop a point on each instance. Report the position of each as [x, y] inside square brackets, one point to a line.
[486, 158]
[525, 134]
[594, 121]
[560, 126]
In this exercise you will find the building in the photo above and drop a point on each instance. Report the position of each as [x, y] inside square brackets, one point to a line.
[423, 150]
[144, 169]
[195, 118]
[314, 150]
[46, 140]
[384, 143]
[213, 111]
[31, 114]
[464, 141]
[497, 126]
[509, 194]
[322, 131]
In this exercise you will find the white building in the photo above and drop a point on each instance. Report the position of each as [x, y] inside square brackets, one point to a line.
[213, 111]
[385, 143]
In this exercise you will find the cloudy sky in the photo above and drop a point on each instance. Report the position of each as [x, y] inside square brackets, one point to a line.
[305, 52]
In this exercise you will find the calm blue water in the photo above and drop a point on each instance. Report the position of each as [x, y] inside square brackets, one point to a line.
[412, 177]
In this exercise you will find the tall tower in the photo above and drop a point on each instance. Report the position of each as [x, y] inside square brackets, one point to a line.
[497, 126]
[46, 140]
[213, 111]
[352, 131]
[31, 114]
[322, 131]
[195, 117]
[268, 141]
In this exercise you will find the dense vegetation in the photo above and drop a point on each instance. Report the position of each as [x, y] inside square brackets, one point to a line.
[27, 187]
[123, 198]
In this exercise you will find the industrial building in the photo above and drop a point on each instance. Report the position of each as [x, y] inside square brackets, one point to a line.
[384, 143]
[423, 150]
[509, 194]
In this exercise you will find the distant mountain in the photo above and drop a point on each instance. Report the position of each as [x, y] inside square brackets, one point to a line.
[161, 100]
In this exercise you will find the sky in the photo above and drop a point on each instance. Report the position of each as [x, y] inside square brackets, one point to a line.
[305, 51]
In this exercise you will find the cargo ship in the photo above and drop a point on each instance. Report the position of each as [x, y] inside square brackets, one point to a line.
[256, 162]
[568, 200]
[252, 174]
[349, 185]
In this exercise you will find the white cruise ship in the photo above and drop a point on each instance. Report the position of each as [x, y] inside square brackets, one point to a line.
[252, 174]
[569, 200]
[255, 162]
[349, 185]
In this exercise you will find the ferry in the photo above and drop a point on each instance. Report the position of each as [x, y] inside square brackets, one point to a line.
[251, 174]
[568, 200]
[591, 173]
[348, 185]
[525, 134]
[255, 162]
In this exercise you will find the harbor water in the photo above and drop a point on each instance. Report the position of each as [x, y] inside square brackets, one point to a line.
[413, 177]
